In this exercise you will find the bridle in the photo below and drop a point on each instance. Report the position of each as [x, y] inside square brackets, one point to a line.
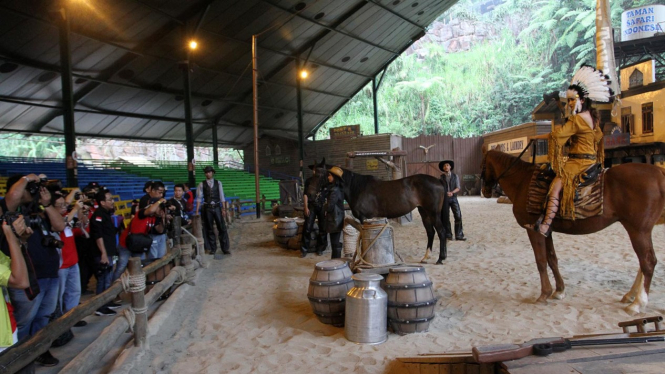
[482, 176]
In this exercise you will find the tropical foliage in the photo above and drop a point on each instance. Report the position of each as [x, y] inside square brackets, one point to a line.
[534, 48]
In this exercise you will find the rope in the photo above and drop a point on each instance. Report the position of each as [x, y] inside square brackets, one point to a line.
[133, 283]
[139, 310]
[182, 274]
[131, 318]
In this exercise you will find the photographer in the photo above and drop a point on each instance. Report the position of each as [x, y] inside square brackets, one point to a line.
[33, 305]
[14, 274]
[177, 205]
[158, 234]
[85, 246]
[69, 275]
[103, 231]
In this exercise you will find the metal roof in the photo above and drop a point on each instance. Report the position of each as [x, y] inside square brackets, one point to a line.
[126, 54]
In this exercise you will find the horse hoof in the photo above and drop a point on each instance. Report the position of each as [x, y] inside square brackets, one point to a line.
[423, 261]
[632, 309]
[542, 300]
[559, 295]
[627, 299]
[440, 262]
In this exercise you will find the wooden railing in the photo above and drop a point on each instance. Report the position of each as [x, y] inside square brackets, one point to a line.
[134, 318]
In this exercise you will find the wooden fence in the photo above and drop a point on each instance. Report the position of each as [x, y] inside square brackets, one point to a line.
[134, 318]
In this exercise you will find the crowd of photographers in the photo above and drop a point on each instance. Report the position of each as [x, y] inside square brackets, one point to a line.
[52, 243]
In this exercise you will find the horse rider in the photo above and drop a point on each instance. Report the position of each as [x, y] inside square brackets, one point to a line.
[313, 206]
[334, 221]
[210, 192]
[451, 184]
[586, 148]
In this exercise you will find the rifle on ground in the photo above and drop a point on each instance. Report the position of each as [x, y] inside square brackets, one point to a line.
[546, 346]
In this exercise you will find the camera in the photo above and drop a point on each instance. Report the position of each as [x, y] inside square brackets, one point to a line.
[100, 268]
[77, 196]
[167, 205]
[33, 187]
[51, 242]
[9, 217]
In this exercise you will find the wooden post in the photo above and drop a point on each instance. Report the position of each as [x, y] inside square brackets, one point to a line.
[138, 305]
[197, 229]
[186, 260]
[177, 232]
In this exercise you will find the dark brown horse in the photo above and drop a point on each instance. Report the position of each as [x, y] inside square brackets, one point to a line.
[634, 195]
[370, 197]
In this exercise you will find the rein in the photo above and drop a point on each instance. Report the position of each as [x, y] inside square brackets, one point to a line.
[515, 160]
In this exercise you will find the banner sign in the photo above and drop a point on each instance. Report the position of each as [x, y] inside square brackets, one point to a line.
[616, 140]
[642, 22]
[372, 164]
[345, 132]
[510, 146]
[280, 160]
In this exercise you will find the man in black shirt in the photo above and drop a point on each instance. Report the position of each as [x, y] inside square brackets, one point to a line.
[451, 184]
[313, 209]
[178, 204]
[103, 231]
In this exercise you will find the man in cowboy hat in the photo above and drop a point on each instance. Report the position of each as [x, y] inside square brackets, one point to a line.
[313, 209]
[211, 193]
[451, 184]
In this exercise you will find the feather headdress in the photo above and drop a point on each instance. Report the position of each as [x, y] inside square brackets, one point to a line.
[590, 84]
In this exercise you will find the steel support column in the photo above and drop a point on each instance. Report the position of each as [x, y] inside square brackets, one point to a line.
[67, 97]
[301, 138]
[255, 100]
[215, 151]
[189, 130]
[375, 89]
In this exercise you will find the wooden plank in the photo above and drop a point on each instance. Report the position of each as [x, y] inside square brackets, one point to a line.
[429, 368]
[455, 358]
[472, 369]
[458, 369]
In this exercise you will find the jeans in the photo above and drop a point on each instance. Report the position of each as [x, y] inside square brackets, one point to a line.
[123, 259]
[69, 293]
[158, 247]
[32, 315]
[457, 214]
[104, 276]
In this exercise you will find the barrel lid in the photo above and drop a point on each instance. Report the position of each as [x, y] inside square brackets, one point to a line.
[331, 265]
[286, 219]
[407, 269]
[367, 277]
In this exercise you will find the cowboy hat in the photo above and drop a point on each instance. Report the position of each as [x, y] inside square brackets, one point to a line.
[208, 168]
[337, 171]
[450, 162]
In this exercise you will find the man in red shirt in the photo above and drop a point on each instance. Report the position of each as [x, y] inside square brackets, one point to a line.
[69, 275]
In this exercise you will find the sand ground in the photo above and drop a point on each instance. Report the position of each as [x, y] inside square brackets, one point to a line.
[250, 313]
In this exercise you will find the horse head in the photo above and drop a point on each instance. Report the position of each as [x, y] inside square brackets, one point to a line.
[488, 178]
[318, 181]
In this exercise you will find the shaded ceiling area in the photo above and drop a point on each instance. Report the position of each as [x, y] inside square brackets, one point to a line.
[127, 63]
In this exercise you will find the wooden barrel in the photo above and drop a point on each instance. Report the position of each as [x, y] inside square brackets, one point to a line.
[328, 285]
[411, 301]
[376, 244]
[284, 229]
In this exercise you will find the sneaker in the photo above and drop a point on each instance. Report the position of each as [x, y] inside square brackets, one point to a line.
[47, 359]
[104, 311]
[80, 323]
[113, 305]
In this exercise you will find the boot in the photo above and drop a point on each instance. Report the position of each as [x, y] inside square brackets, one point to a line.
[303, 252]
[545, 219]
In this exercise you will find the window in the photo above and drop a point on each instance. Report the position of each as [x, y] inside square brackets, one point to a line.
[647, 118]
[278, 150]
[268, 152]
[627, 121]
[541, 147]
[636, 79]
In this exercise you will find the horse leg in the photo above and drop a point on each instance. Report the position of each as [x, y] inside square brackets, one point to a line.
[427, 222]
[643, 246]
[552, 261]
[636, 288]
[441, 232]
[540, 251]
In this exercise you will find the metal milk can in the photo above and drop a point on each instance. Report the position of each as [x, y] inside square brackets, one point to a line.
[366, 317]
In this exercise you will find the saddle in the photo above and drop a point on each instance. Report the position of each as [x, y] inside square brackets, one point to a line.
[588, 194]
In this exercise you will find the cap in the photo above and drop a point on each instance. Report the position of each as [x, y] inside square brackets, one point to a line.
[92, 185]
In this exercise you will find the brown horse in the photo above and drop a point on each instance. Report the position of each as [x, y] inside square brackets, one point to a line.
[370, 197]
[634, 195]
